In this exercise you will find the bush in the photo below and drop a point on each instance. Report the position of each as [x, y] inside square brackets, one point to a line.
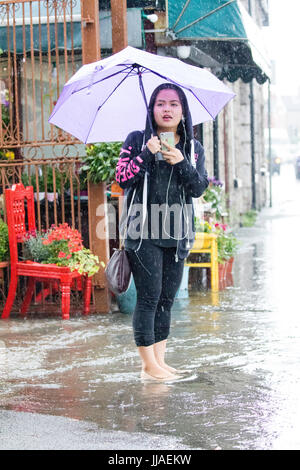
[249, 218]
[100, 162]
[4, 244]
[62, 246]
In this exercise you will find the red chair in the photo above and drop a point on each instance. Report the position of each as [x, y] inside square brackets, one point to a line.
[17, 229]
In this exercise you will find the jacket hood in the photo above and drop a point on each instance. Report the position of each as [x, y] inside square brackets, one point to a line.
[185, 128]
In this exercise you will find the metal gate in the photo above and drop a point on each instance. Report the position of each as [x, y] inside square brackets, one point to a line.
[42, 44]
[41, 47]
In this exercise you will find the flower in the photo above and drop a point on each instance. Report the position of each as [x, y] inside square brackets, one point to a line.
[7, 155]
[221, 226]
[214, 182]
[63, 246]
[10, 155]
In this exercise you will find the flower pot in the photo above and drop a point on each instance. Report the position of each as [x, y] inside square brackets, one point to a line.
[222, 271]
[229, 265]
[127, 300]
[51, 197]
[41, 196]
[116, 191]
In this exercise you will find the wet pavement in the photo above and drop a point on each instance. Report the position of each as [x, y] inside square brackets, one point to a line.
[76, 384]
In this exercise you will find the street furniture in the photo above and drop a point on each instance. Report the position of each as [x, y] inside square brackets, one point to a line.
[206, 243]
[21, 221]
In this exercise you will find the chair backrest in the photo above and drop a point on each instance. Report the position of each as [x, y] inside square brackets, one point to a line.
[17, 224]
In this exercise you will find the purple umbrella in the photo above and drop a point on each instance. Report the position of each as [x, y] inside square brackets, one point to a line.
[106, 100]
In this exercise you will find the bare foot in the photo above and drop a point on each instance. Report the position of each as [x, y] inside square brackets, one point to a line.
[172, 370]
[168, 368]
[157, 372]
[146, 376]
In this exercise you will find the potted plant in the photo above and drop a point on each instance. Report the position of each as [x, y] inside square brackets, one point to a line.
[202, 227]
[61, 245]
[100, 162]
[227, 247]
[45, 183]
[215, 195]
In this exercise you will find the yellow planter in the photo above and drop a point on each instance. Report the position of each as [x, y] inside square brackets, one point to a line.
[203, 240]
[207, 243]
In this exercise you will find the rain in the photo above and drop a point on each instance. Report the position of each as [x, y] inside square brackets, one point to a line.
[75, 384]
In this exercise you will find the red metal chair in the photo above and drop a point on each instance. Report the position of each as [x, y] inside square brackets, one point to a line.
[17, 229]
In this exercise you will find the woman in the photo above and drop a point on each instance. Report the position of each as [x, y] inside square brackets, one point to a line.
[158, 241]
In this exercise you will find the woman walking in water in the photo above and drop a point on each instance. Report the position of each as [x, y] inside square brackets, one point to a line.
[158, 243]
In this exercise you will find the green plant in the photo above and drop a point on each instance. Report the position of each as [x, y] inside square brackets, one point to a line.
[45, 180]
[202, 226]
[227, 243]
[34, 249]
[84, 261]
[100, 162]
[62, 246]
[4, 244]
[249, 218]
[215, 194]
[5, 107]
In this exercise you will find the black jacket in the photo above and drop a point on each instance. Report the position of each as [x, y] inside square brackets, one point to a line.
[135, 162]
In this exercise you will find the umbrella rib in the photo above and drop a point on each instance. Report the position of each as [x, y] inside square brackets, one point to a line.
[186, 88]
[105, 78]
[99, 107]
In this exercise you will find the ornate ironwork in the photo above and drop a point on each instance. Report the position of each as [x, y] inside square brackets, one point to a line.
[38, 57]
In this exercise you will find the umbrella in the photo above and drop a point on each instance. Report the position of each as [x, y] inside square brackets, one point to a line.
[105, 100]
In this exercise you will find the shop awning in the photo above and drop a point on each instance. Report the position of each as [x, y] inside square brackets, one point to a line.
[224, 30]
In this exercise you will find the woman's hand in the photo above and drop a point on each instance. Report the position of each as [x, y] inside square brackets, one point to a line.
[172, 155]
[153, 144]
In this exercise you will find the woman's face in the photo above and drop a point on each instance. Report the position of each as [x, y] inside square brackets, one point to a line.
[167, 110]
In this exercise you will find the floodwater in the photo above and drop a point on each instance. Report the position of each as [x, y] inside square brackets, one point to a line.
[242, 347]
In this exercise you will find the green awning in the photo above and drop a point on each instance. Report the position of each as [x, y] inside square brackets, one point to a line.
[225, 30]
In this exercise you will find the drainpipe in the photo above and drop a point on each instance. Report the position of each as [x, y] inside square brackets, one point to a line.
[252, 133]
[226, 164]
[270, 142]
[216, 147]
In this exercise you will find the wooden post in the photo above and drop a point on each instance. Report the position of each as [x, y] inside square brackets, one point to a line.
[91, 52]
[90, 30]
[119, 25]
[119, 42]
[99, 243]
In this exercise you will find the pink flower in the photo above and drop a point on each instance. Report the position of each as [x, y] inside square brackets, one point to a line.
[61, 254]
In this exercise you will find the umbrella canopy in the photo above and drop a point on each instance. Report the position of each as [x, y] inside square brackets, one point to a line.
[105, 100]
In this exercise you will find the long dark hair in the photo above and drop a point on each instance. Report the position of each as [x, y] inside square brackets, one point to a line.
[185, 127]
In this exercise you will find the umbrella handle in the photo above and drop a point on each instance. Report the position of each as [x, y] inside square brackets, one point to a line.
[158, 155]
[145, 99]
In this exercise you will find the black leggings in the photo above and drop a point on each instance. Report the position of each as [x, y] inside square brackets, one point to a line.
[157, 278]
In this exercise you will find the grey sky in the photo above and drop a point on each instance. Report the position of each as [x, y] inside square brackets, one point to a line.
[284, 41]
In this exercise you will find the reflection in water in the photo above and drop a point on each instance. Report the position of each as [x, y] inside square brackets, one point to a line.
[241, 346]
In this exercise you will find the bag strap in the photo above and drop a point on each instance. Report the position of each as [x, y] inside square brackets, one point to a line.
[122, 221]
